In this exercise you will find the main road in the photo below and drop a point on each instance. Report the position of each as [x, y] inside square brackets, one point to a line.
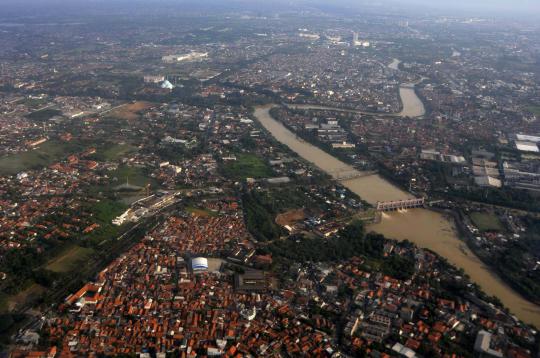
[426, 228]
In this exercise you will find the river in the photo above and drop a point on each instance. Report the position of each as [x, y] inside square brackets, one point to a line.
[412, 105]
[426, 228]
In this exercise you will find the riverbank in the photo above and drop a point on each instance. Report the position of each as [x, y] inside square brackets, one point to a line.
[412, 106]
[423, 227]
[469, 239]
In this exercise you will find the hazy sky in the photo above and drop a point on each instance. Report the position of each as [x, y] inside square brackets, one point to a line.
[488, 5]
[452, 7]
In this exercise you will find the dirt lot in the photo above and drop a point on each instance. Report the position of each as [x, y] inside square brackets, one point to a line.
[130, 111]
[33, 292]
[290, 217]
[69, 259]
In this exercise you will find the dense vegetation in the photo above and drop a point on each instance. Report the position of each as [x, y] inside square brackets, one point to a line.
[515, 262]
[259, 219]
[351, 241]
[512, 198]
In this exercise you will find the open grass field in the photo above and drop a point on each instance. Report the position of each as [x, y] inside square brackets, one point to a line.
[371, 263]
[130, 111]
[44, 114]
[69, 259]
[46, 154]
[134, 175]
[4, 299]
[534, 109]
[117, 151]
[34, 102]
[111, 152]
[106, 210]
[486, 222]
[247, 166]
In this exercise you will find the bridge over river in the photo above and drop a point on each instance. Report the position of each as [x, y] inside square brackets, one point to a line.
[424, 227]
[400, 204]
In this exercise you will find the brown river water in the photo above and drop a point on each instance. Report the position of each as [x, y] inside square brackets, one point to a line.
[426, 228]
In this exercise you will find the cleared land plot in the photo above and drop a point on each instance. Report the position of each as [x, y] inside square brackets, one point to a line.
[44, 155]
[70, 259]
[130, 111]
[247, 166]
[290, 217]
[487, 222]
[200, 212]
[33, 292]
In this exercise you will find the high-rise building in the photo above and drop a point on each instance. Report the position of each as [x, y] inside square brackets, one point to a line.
[355, 38]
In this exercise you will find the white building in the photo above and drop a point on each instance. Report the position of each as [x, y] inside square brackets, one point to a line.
[487, 181]
[154, 79]
[343, 145]
[167, 85]
[528, 138]
[482, 345]
[192, 56]
[525, 146]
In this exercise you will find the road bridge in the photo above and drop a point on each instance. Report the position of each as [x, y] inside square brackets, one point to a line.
[400, 204]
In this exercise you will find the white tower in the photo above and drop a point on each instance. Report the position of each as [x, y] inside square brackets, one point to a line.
[355, 38]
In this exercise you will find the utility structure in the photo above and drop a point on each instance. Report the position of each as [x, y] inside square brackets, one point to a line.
[348, 174]
[400, 204]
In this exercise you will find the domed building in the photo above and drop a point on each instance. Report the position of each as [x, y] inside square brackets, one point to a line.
[167, 85]
[199, 264]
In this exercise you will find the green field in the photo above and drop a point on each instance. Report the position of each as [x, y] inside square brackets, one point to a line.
[486, 222]
[3, 302]
[534, 109]
[34, 102]
[44, 114]
[103, 212]
[372, 264]
[106, 210]
[134, 175]
[69, 259]
[114, 152]
[46, 154]
[247, 166]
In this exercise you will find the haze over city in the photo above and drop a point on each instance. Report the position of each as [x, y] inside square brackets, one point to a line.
[524, 8]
